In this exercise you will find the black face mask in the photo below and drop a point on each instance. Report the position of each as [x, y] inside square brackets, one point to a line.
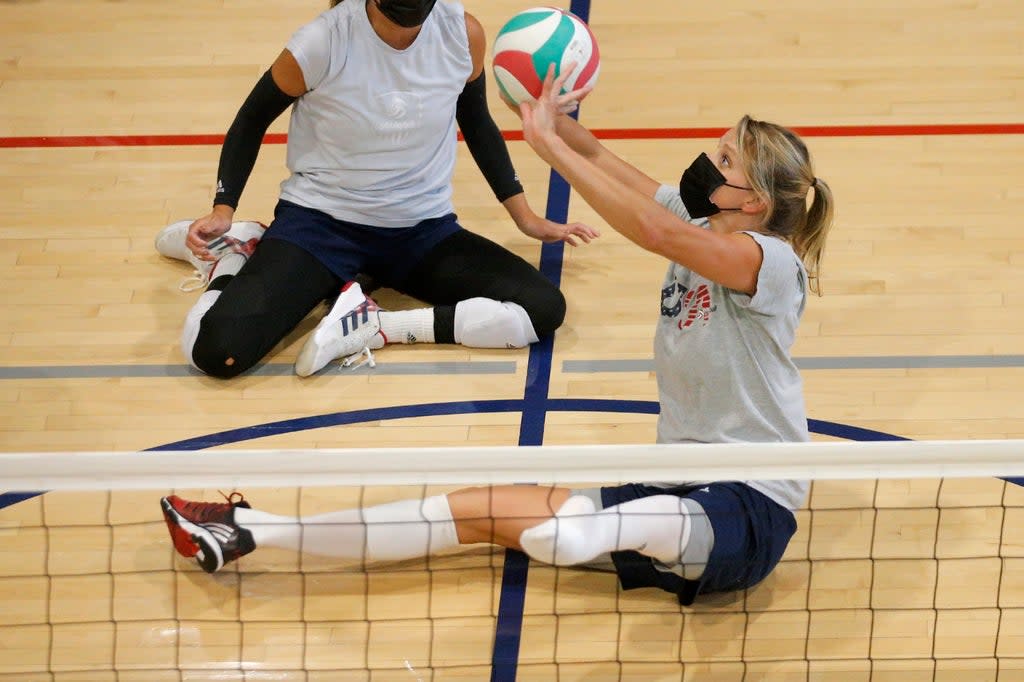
[698, 183]
[406, 13]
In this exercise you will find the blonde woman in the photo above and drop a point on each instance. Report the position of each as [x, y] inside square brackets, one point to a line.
[741, 230]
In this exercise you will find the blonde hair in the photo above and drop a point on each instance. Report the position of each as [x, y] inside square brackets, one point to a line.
[780, 171]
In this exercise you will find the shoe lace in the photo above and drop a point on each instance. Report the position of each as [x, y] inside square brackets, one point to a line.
[365, 356]
[197, 280]
[356, 360]
[231, 497]
[213, 511]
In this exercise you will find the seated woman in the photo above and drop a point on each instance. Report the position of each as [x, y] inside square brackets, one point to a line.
[740, 237]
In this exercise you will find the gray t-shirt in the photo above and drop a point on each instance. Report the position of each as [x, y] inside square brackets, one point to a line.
[374, 140]
[722, 357]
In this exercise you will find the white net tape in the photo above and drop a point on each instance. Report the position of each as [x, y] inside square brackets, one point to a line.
[499, 465]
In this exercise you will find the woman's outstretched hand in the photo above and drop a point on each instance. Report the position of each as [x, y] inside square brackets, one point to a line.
[540, 117]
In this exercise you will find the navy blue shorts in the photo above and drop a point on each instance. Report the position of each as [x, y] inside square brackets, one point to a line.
[751, 535]
[348, 249]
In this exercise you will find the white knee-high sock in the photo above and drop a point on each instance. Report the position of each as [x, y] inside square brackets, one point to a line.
[486, 323]
[656, 526]
[408, 326]
[387, 532]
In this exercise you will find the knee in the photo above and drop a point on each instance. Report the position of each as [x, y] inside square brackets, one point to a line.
[546, 309]
[220, 352]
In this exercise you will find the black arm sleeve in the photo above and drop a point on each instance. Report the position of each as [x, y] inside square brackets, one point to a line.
[485, 141]
[242, 143]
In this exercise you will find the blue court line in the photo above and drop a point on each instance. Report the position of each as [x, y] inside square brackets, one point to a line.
[509, 627]
[512, 597]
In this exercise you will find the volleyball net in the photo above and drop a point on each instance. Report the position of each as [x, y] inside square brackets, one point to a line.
[908, 564]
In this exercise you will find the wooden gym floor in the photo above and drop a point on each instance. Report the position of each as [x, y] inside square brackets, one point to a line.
[914, 111]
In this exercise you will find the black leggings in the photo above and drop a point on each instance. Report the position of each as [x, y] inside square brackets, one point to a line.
[281, 283]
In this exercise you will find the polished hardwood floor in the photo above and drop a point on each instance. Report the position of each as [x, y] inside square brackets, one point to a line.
[914, 111]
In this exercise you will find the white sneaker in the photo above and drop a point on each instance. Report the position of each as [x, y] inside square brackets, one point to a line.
[350, 328]
[241, 238]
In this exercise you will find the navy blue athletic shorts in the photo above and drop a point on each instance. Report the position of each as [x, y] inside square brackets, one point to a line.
[347, 249]
[751, 534]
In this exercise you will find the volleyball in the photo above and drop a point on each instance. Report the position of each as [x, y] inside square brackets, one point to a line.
[531, 41]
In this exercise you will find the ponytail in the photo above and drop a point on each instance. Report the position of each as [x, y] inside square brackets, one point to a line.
[779, 168]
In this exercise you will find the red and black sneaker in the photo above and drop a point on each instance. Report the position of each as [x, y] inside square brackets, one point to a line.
[207, 530]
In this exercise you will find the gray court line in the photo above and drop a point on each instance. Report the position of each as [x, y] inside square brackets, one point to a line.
[912, 362]
[847, 362]
[270, 369]
[504, 367]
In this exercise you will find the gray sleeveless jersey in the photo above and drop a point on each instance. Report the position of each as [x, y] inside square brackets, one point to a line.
[373, 141]
[722, 358]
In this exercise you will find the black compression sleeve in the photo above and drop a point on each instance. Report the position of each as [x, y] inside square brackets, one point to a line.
[242, 143]
[485, 141]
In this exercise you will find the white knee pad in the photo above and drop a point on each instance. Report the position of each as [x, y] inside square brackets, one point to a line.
[191, 331]
[486, 323]
[570, 537]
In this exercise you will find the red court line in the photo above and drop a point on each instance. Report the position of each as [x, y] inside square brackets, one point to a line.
[602, 133]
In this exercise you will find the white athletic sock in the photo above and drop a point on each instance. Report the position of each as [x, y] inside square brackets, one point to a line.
[387, 532]
[657, 526]
[408, 326]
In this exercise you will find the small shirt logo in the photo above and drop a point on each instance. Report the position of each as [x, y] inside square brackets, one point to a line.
[398, 111]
